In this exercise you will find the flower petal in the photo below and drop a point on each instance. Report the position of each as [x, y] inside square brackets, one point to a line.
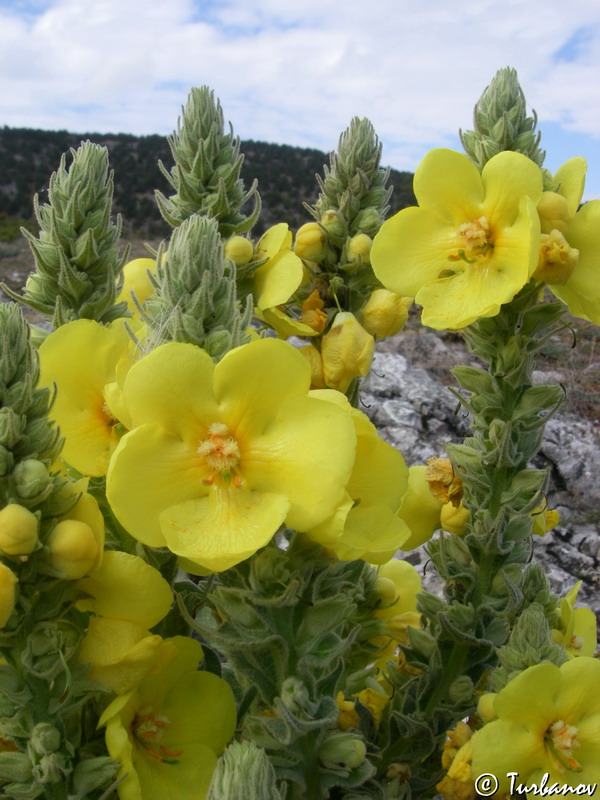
[224, 528]
[411, 249]
[152, 470]
[253, 380]
[277, 280]
[507, 177]
[581, 293]
[306, 454]
[449, 184]
[125, 587]
[172, 385]
[571, 176]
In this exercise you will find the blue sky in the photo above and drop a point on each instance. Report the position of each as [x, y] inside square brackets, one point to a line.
[297, 73]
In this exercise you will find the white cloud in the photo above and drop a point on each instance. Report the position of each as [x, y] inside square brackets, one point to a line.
[296, 73]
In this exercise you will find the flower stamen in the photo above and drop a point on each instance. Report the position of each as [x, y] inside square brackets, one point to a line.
[473, 241]
[221, 452]
[562, 739]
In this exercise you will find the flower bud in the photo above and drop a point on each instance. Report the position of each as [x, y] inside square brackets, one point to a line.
[239, 250]
[73, 549]
[347, 351]
[342, 751]
[385, 313]
[310, 242]
[454, 520]
[368, 221]
[136, 280]
[334, 223]
[359, 248]
[8, 581]
[18, 530]
[45, 738]
[317, 381]
[31, 478]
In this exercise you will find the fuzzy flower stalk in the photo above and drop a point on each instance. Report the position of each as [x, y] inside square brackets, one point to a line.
[76, 254]
[196, 292]
[206, 175]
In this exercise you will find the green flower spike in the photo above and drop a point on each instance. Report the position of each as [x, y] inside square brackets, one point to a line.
[76, 255]
[206, 175]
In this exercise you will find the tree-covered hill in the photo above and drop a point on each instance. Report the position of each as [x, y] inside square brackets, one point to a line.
[286, 175]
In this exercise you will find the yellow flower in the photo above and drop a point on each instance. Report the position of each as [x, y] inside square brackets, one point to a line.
[81, 358]
[375, 700]
[470, 245]
[444, 483]
[420, 509]
[365, 524]
[18, 530]
[136, 281]
[347, 351]
[168, 731]
[548, 722]
[577, 626]
[279, 277]
[568, 260]
[129, 597]
[223, 455]
[8, 582]
[385, 313]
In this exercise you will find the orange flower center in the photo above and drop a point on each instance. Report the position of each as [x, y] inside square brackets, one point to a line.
[562, 739]
[473, 241]
[221, 453]
[147, 729]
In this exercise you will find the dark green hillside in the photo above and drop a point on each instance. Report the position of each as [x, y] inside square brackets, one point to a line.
[286, 175]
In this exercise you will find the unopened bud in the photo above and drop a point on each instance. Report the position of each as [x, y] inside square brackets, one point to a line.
[359, 248]
[45, 738]
[420, 509]
[368, 221]
[239, 250]
[385, 313]
[310, 242]
[31, 478]
[454, 520]
[18, 530]
[334, 223]
[74, 549]
[342, 751]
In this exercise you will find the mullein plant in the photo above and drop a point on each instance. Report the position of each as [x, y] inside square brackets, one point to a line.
[241, 460]
[77, 258]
